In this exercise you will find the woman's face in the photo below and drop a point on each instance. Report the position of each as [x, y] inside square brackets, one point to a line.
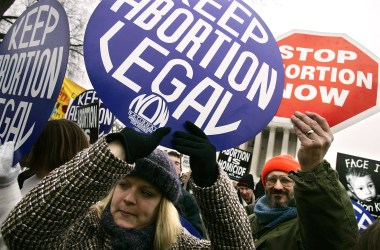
[135, 203]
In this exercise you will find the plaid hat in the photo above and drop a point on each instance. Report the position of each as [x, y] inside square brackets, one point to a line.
[246, 181]
[159, 170]
[284, 163]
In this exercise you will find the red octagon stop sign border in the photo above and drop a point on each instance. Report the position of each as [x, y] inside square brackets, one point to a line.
[330, 74]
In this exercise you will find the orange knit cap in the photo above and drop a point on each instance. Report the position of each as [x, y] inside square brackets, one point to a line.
[284, 163]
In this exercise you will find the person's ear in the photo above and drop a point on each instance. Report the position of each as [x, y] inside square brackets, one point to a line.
[350, 188]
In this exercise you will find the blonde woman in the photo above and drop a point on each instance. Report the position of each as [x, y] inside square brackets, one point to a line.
[68, 209]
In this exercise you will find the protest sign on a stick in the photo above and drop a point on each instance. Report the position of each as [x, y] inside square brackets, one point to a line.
[88, 120]
[68, 92]
[33, 61]
[235, 162]
[106, 118]
[160, 63]
[361, 178]
[330, 74]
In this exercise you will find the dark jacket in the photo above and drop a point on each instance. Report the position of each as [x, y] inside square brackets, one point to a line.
[56, 215]
[259, 189]
[188, 208]
[248, 208]
[325, 220]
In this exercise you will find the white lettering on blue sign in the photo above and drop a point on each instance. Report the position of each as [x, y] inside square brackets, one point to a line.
[13, 125]
[33, 57]
[197, 34]
[207, 60]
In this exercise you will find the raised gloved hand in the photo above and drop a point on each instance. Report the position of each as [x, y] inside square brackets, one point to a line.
[8, 174]
[138, 145]
[201, 151]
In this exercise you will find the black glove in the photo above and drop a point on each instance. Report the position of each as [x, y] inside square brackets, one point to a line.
[138, 145]
[202, 154]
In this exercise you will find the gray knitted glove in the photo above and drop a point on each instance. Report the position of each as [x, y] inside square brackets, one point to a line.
[8, 174]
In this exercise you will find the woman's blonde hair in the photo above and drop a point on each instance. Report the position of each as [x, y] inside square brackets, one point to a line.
[168, 224]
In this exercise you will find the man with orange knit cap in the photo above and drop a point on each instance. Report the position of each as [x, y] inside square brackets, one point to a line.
[304, 206]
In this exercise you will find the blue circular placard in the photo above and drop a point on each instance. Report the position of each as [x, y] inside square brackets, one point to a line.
[33, 60]
[160, 63]
[106, 118]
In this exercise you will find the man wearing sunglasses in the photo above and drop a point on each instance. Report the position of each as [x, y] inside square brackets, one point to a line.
[304, 206]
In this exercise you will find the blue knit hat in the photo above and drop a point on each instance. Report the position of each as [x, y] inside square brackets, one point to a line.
[159, 170]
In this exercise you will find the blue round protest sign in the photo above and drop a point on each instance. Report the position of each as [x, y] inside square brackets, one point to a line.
[33, 60]
[106, 118]
[160, 63]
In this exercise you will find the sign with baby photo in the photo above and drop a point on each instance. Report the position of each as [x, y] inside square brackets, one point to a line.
[361, 178]
[160, 63]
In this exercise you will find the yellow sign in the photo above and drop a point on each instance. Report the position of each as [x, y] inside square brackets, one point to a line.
[69, 91]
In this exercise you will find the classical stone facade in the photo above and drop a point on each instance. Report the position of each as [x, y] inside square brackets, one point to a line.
[274, 140]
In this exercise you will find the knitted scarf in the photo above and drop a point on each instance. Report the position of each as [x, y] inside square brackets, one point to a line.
[127, 238]
[270, 217]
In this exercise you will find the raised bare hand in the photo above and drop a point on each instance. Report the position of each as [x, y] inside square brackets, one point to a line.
[315, 136]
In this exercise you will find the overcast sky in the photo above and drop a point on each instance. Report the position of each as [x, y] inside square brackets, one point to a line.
[357, 19]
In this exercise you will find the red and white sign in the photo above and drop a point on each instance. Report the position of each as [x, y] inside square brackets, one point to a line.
[330, 74]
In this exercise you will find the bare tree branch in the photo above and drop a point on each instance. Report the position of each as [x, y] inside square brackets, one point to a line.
[4, 6]
[78, 13]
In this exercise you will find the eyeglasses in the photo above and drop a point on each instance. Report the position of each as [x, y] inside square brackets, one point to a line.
[285, 181]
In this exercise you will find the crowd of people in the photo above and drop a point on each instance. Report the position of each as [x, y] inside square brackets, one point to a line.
[122, 192]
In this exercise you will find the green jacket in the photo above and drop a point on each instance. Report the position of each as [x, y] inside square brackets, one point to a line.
[326, 219]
